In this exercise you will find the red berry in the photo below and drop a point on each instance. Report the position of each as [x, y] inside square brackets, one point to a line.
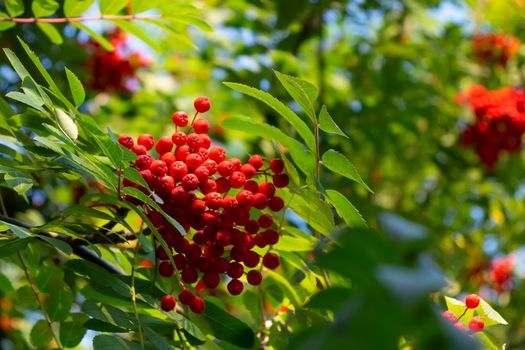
[198, 305]
[126, 141]
[472, 301]
[256, 161]
[178, 170]
[186, 296]
[248, 171]
[449, 316]
[271, 237]
[277, 165]
[476, 324]
[201, 126]
[178, 138]
[265, 220]
[189, 275]
[223, 185]
[143, 162]
[182, 152]
[164, 144]
[218, 154]
[211, 279]
[260, 201]
[193, 161]
[139, 149]
[235, 287]
[166, 269]
[166, 185]
[281, 180]
[202, 173]
[237, 179]
[460, 326]
[254, 277]
[244, 198]
[214, 200]
[206, 141]
[251, 259]
[167, 303]
[276, 204]
[251, 227]
[271, 261]
[180, 119]
[195, 141]
[190, 182]
[211, 165]
[236, 164]
[146, 140]
[251, 186]
[158, 167]
[201, 104]
[168, 158]
[235, 270]
[267, 188]
[225, 168]
[208, 186]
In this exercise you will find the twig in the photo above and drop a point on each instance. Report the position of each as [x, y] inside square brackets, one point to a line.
[134, 295]
[39, 302]
[77, 19]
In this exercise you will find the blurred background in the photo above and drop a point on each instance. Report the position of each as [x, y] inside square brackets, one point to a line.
[390, 73]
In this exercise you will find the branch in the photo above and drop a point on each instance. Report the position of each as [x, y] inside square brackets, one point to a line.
[79, 245]
[77, 19]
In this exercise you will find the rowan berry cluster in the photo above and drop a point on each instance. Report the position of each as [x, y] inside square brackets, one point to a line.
[114, 70]
[501, 273]
[224, 206]
[499, 122]
[476, 323]
[494, 48]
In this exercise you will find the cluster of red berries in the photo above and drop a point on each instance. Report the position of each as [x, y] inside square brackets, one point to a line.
[116, 70]
[501, 273]
[218, 202]
[499, 122]
[476, 323]
[495, 48]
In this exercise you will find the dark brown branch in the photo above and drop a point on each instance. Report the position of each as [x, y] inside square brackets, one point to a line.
[79, 245]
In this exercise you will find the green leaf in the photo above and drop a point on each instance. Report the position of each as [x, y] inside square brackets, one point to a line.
[303, 92]
[157, 339]
[112, 7]
[490, 316]
[47, 77]
[16, 179]
[77, 90]
[44, 8]
[458, 307]
[51, 32]
[5, 284]
[176, 36]
[99, 38]
[329, 299]
[138, 6]
[304, 159]
[326, 123]
[280, 108]
[48, 277]
[140, 33]
[341, 165]
[58, 244]
[98, 275]
[227, 327]
[72, 330]
[17, 65]
[59, 302]
[485, 342]
[11, 246]
[26, 99]
[40, 334]
[14, 7]
[74, 8]
[315, 211]
[19, 231]
[7, 24]
[193, 20]
[111, 342]
[290, 291]
[294, 244]
[133, 175]
[345, 209]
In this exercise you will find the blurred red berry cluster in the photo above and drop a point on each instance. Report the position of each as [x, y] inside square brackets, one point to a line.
[495, 48]
[501, 273]
[114, 71]
[475, 324]
[499, 121]
[224, 206]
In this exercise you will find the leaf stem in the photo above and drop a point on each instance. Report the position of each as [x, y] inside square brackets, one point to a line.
[39, 302]
[134, 295]
[78, 19]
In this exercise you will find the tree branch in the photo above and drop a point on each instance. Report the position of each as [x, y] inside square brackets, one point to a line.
[77, 19]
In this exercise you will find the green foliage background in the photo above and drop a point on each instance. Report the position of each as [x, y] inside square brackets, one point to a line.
[387, 72]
